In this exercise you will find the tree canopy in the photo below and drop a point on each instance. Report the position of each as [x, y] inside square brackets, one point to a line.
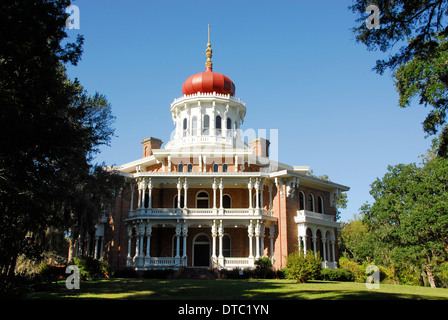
[414, 32]
[50, 128]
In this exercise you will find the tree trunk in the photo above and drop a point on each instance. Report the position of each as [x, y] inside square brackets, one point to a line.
[431, 279]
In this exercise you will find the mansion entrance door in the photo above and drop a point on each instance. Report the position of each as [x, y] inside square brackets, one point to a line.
[201, 251]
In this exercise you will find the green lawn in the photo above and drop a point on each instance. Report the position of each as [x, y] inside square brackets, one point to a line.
[234, 290]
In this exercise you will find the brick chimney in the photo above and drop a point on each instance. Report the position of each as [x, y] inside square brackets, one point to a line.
[260, 147]
[150, 144]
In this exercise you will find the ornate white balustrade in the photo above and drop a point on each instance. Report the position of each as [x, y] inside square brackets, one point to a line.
[168, 212]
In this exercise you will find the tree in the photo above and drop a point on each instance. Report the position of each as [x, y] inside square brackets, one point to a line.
[356, 240]
[409, 217]
[420, 65]
[50, 128]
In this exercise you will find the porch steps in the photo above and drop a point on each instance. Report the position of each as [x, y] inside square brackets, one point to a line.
[196, 273]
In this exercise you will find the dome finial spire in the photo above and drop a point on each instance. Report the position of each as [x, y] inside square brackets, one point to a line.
[208, 53]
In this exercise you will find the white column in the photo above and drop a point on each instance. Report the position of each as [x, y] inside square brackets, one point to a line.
[214, 186]
[250, 232]
[140, 188]
[249, 186]
[148, 240]
[221, 188]
[236, 163]
[185, 193]
[305, 244]
[101, 248]
[271, 186]
[95, 252]
[257, 240]
[136, 242]
[214, 233]
[184, 236]
[220, 234]
[324, 245]
[129, 240]
[300, 243]
[262, 229]
[257, 195]
[150, 186]
[178, 231]
[261, 194]
[333, 243]
[179, 188]
[314, 246]
[132, 197]
[141, 232]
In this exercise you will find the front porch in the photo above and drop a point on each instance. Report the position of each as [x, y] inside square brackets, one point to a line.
[220, 244]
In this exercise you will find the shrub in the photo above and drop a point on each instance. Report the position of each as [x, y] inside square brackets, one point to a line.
[358, 271]
[263, 268]
[339, 274]
[303, 267]
[90, 268]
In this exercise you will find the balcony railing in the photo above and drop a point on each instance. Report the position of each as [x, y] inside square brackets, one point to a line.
[304, 215]
[144, 212]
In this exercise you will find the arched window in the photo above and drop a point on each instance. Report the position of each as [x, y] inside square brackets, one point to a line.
[229, 127]
[206, 125]
[225, 167]
[226, 201]
[320, 204]
[194, 126]
[215, 167]
[301, 200]
[310, 202]
[190, 168]
[180, 168]
[218, 125]
[202, 200]
[226, 245]
[184, 127]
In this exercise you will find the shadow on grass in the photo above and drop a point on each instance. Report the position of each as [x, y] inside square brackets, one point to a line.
[192, 289]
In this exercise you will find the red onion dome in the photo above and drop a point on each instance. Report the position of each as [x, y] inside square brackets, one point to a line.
[208, 82]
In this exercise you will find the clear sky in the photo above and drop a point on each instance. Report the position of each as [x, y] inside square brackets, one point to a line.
[295, 64]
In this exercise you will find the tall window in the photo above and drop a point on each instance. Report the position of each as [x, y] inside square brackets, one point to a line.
[215, 167]
[320, 204]
[202, 200]
[229, 127]
[184, 127]
[225, 167]
[206, 125]
[180, 168]
[218, 125]
[226, 201]
[311, 202]
[190, 168]
[226, 246]
[194, 126]
[301, 200]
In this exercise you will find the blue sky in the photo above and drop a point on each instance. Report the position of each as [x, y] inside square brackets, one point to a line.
[295, 64]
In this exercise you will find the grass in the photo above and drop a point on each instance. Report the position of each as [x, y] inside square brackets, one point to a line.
[191, 289]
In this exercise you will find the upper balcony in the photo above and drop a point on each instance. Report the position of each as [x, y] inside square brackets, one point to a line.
[198, 212]
[305, 216]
